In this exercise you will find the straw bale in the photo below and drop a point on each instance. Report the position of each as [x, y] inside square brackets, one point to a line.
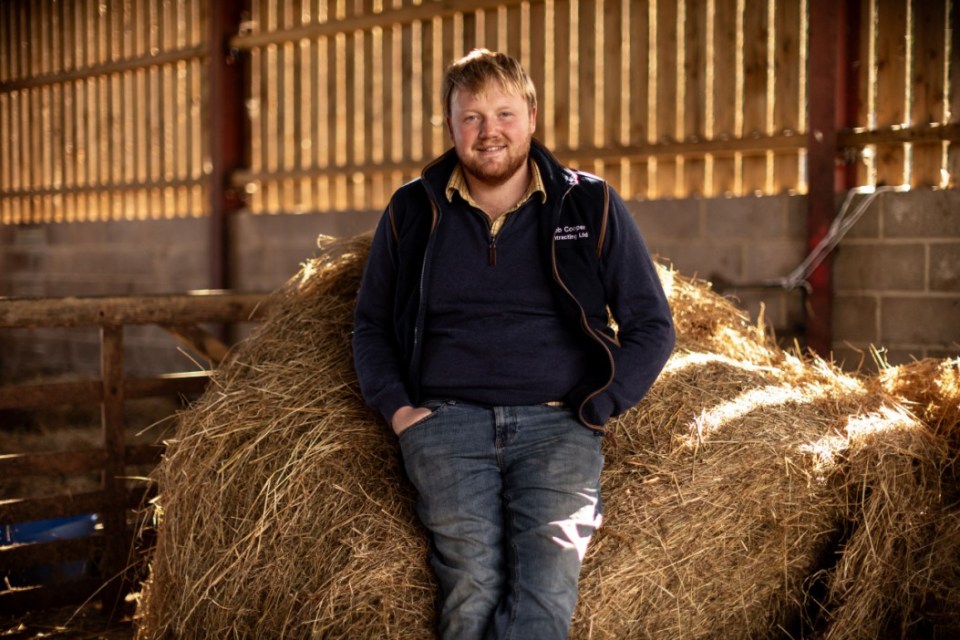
[752, 494]
[905, 558]
[931, 388]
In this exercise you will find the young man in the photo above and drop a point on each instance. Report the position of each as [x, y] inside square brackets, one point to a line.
[508, 309]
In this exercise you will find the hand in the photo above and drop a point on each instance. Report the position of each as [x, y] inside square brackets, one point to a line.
[404, 417]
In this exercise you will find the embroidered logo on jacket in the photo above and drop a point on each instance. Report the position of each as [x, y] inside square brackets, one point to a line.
[574, 232]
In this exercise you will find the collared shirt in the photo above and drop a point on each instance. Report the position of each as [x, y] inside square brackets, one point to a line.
[458, 184]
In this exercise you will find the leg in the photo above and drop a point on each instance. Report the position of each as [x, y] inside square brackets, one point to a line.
[451, 460]
[552, 500]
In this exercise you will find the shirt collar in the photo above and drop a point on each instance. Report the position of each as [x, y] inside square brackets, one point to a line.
[458, 184]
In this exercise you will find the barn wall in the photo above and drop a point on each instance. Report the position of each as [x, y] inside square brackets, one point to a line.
[897, 279]
[269, 249]
[97, 258]
[897, 273]
[738, 244]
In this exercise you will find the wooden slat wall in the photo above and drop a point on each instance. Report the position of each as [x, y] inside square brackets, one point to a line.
[927, 88]
[789, 72]
[101, 110]
[912, 49]
[724, 93]
[102, 103]
[889, 41]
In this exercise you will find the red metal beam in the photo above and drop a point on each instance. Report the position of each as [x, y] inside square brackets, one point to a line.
[834, 37]
[225, 122]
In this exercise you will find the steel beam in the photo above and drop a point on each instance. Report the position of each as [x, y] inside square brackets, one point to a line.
[834, 34]
[227, 131]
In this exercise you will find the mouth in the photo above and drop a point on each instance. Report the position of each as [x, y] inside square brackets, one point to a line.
[491, 149]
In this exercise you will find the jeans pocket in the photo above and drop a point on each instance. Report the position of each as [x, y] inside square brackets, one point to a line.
[436, 408]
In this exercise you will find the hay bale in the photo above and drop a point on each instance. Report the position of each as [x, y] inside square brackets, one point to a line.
[931, 389]
[282, 512]
[907, 558]
[742, 496]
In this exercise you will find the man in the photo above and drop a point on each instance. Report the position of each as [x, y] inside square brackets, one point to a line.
[508, 309]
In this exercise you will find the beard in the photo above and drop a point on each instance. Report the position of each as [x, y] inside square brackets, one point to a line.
[497, 173]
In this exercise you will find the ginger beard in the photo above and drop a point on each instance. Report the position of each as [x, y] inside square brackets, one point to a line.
[495, 162]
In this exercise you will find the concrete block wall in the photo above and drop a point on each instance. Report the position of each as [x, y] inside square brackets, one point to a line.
[897, 279]
[269, 249]
[734, 242]
[142, 258]
[90, 259]
[739, 245]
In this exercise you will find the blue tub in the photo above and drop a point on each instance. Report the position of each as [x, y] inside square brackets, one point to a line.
[46, 531]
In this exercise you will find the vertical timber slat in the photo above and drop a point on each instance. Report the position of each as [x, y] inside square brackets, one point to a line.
[787, 105]
[953, 95]
[694, 94]
[755, 26]
[724, 63]
[668, 79]
[848, 106]
[927, 79]
[891, 61]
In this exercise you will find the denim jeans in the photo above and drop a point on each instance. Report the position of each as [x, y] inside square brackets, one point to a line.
[511, 497]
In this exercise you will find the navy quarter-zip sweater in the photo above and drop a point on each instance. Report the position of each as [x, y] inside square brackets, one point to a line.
[492, 333]
[594, 262]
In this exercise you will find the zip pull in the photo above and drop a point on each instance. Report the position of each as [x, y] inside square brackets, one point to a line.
[492, 252]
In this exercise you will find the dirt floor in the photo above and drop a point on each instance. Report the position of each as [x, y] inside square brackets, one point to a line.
[69, 623]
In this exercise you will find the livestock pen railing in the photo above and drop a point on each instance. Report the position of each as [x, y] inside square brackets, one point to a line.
[109, 546]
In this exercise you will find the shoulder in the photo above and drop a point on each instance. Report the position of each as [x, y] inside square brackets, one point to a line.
[409, 209]
[588, 179]
[411, 196]
[411, 192]
[590, 196]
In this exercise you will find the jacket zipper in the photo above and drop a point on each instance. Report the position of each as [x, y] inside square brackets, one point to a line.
[586, 327]
[421, 305]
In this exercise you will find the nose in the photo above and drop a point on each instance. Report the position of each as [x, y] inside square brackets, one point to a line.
[488, 128]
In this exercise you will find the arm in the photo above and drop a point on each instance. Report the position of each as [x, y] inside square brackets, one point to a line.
[376, 355]
[639, 307]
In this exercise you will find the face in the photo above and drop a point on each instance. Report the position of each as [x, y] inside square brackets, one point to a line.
[491, 132]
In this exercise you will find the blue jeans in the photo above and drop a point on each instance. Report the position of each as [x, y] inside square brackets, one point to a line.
[511, 497]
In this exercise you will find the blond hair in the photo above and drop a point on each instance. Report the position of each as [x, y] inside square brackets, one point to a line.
[475, 70]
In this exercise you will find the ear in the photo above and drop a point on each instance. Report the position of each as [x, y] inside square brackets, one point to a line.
[533, 119]
[446, 119]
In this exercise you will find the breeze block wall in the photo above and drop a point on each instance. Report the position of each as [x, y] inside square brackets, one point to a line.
[897, 279]
[96, 259]
[741, 245]
[269, 249]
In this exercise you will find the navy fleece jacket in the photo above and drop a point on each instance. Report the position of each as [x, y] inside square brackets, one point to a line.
[597, 266]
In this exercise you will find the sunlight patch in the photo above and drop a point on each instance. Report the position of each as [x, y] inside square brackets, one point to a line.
[586, 519]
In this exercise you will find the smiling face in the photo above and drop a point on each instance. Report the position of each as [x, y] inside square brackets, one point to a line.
[491, 132]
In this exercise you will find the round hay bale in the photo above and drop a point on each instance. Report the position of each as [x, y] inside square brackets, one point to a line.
[907, 559]
[283, 513]
[738, 495]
